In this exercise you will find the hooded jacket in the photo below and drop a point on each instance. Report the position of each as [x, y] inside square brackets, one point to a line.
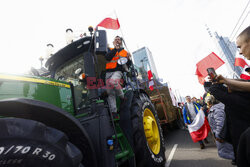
[216, 118]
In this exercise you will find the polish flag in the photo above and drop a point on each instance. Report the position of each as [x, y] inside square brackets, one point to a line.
[240, 61]
[151, 85]
[150, 79]
[174, 101]
[199, 128]
[109, 23]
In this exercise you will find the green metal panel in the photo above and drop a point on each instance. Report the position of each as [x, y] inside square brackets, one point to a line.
[39, 89]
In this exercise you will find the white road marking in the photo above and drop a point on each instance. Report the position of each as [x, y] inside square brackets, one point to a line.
[170, 157]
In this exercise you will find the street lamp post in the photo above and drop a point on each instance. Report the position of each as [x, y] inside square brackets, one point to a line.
[41, 60]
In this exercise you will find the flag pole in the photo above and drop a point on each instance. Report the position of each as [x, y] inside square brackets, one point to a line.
[122, 33]
[132, 64]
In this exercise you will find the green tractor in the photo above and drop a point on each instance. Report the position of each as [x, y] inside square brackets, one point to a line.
[61, 118]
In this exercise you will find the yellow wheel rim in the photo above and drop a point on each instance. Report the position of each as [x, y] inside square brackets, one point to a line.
[151, 131]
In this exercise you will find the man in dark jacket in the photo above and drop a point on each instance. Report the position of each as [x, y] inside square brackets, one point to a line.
[236, 98]
[244, 149]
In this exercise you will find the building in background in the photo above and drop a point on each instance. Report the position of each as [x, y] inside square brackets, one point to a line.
[143, 57]
[229, 50]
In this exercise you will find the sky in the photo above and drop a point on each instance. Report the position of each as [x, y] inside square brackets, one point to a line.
[173, 30]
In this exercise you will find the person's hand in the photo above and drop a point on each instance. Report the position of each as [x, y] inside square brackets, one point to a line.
[220, 79]
[129, 56]
[219, 140]
[186, 124]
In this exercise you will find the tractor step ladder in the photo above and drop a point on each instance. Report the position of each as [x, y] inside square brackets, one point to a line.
[126, 151]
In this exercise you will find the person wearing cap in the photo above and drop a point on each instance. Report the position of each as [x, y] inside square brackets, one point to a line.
[114, 73]
[190, 111]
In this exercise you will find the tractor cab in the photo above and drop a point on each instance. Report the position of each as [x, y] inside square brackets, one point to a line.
[82, 63]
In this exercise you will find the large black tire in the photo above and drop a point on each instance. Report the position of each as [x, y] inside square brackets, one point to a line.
[28, 143]
[145, 157]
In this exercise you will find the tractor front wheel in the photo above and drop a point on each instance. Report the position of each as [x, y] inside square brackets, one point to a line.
[147, 133]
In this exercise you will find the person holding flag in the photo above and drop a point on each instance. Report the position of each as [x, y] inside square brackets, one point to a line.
[196, 122]
[114, 73]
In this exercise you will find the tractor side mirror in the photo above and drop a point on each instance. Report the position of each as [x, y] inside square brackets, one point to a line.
[101, 44]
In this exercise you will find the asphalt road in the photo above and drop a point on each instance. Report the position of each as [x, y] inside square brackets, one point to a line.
[189, 154]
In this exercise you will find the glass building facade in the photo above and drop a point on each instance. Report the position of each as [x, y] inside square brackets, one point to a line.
[229, 50]
[143, 57]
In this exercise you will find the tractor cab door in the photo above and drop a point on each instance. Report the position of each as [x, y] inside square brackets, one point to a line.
[101, 49]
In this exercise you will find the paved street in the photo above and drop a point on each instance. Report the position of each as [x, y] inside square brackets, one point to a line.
[189, 154]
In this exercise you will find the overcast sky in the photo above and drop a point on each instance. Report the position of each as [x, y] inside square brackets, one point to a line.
[174, 31]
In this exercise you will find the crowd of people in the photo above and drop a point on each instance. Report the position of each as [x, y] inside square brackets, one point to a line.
[226, 106]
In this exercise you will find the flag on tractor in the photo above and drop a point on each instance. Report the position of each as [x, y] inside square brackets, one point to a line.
[150, 78]
[109, 23]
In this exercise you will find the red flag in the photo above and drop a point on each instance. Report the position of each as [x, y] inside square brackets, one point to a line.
[212, 60]
[245, 76]
[150, 79]
[240, 61]
[200, 77]
[110, 23]
[150, 75]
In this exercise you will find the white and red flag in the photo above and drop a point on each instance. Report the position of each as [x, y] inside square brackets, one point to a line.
[109, 23]
[199, 128]
[150, 78]
[174, 101]
[244, 63]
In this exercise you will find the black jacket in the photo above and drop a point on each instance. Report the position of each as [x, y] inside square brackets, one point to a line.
[109, 56]
[237, 109]
[244, 149]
